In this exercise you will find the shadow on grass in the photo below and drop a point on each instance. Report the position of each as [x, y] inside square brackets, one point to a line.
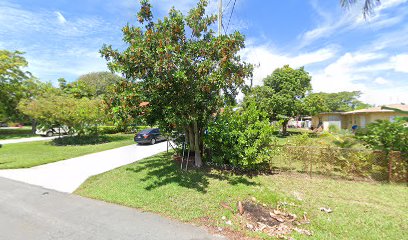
[14, 136]
[161, 171]
[86, 140]
[15, 133]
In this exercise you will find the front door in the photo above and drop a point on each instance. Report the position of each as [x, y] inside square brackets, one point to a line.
[363, 121]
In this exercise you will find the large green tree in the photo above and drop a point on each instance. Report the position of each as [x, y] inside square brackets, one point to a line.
[12, 79]
[282, 94]
[91, 85]
[183, 70]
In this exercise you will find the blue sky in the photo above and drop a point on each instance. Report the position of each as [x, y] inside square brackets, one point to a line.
[341, 50]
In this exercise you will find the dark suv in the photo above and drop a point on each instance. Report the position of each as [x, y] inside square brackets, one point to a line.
[151, 135]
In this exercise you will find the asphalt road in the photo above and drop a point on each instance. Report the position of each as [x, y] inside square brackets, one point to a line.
[34, 213]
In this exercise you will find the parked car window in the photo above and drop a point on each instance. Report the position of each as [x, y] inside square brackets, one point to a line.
[146, 131]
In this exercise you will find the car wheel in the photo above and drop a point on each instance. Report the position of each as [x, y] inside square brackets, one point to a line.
[48, 134]
[153, 141]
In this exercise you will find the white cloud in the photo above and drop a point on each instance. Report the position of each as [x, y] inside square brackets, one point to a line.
[359, 71]
[397, 63]
[352, 71]
[385, 4]
[266, 59]
[381, 81]
[17, 21]
[61, 19]
[348, 63]
[400, 63]
[54, 46]
[341, 74]
[72, 62]
[390, 95]
[351, 20]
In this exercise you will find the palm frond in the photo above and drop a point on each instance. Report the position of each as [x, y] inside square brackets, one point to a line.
[367, 7]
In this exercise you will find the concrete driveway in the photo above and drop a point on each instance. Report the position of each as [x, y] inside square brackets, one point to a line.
[30, 139]
[68, 175]
[35, 213]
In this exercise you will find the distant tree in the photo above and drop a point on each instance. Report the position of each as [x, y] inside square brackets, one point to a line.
[263, 97]
[289, 89]
[92, 85]
[82, 115]
[184, 71]
[314, 104]
[340, 102]
[123, 104]
[33, 89]
[12, 78]
[62, 83]
[386, 136]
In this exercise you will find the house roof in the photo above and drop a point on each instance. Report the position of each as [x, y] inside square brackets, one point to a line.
[331, 113]
[378, 109]
[401, 107]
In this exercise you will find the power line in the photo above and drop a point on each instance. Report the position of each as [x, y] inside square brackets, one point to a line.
[232, 11]
[226, 7]
[225, 31]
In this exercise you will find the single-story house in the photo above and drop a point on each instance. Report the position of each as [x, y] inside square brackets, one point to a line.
[360, 118]
[300, 122]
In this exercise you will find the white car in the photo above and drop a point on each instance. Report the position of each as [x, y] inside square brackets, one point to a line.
[62, 130]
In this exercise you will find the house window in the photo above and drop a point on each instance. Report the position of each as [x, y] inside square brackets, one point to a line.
[334, 118]
[392, 119]
[356, 120]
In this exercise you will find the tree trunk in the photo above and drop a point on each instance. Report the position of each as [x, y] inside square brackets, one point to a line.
[33, 126]
[284, 127]
[191, 137]
[197, 158]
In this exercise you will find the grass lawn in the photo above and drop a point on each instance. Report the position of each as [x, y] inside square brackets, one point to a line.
[361, 210]
[24, 155]
[16, 133]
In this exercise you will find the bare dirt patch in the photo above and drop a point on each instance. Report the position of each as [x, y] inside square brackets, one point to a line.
[274, 222]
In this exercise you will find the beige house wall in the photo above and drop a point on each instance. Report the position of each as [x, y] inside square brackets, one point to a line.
[315, 121]
[326, 117]
[356, 118]
[348, 120]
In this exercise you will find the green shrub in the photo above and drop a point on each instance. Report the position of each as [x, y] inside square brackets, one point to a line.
[344, 141]
[387, 136]
[108, 130]
[300, 140]
[334, 129]
[241, 138]
[80, 140]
